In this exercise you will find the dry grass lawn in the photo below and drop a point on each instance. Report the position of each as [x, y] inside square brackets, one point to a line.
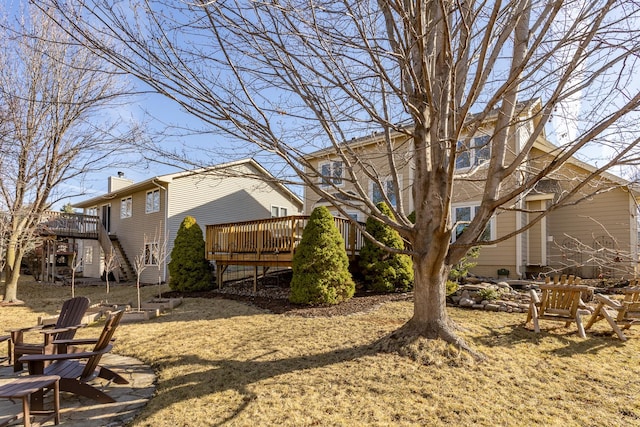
[220, 362]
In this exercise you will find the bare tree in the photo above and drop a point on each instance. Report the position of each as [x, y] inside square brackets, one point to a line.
[139, 265]
[76, 263]
[159, 254]
[60, 120]
[111, 263]
[289, 77]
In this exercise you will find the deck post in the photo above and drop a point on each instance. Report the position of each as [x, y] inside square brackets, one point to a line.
[255, 279]
[220, 269]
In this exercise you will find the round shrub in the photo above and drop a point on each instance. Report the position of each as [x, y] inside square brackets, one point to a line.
[320, 263]
[385, 271]
[188, 269]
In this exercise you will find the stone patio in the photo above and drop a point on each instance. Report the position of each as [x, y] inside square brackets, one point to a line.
[79, 411]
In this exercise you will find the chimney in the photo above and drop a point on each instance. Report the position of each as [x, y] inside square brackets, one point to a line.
[118, 182]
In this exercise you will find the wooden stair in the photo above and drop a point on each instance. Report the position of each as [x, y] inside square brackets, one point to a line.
[109, 244]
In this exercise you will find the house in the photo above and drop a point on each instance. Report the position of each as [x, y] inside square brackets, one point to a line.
[140, 218]
[596, 235]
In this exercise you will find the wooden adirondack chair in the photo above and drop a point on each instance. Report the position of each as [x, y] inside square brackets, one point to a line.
[621, 314]
[77, 367]
[559, 301]
[68, 322]
[7, 338]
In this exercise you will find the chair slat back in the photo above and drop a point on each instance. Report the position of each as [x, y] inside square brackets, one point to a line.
[631, 294]
[104, 341]
[71, 314]
[562, 298]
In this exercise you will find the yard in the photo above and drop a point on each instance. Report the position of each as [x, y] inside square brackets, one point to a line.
[223, 362]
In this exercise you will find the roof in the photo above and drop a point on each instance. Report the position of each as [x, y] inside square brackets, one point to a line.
[528, 107]
[525, 108]
[162, 180]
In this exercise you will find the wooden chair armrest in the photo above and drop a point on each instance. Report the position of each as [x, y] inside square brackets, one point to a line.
[607, 301]
[78, 341]
[582, 305]
[30, 358]
[534, 296]
[65, 329]
[27, 329]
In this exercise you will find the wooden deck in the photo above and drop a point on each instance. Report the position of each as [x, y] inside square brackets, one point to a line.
[69, 225]
[267, 243]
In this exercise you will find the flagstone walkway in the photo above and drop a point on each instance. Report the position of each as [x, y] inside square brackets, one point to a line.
[81, 412]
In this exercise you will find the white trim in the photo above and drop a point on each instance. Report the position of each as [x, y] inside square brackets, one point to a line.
[331, 178]
[519, 241]
[544, 242]
[280, 209]
[384, 180]
[492, 221]
[537, 197]
[472, 152]
[151, 208]
[124, 212]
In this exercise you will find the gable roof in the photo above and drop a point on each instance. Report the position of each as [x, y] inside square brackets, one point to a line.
[527, 108]
[162, 180]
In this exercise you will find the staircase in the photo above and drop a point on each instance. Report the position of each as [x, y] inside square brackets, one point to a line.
[111, 244]
[126, 269]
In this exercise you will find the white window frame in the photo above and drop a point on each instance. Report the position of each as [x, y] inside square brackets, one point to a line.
[478, 144]
[355, 215]
[492, 224]
[126, 207]
[151, 253]
[386, 182]
[332, 180]
[152, 201]
[88, 255]
[279, 211]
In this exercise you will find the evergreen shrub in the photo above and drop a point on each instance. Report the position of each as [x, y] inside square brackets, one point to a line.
[385, 271]
[320, 264]
[189, 269]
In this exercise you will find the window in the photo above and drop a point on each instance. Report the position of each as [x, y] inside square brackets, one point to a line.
[278, 211]
[331, 173]
[389, 189]
[462, 216]
[125, 207]
[477, 153]
[151, 253]
[153, 201]
[88, 255]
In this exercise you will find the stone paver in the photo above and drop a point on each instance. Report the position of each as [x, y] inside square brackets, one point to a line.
[81, 412]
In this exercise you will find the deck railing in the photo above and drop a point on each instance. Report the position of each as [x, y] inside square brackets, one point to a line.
[273, 235]
[69, 224]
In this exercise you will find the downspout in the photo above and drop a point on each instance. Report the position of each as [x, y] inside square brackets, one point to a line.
[165, 227]
[519, 237]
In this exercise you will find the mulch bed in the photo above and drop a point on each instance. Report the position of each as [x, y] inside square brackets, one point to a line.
[273, 295]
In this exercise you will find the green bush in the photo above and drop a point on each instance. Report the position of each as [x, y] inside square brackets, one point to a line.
[489, 294]
[452, 287]
[188, 269]
[385, 271]
[460, 270]
[320, 263]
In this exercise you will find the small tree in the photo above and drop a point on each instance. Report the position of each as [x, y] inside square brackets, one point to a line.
[461, 269]
[188, 268]
[75, 264]
[385, 271]
[159, 253]
[110, 264]
[320, 263]
[139, 265]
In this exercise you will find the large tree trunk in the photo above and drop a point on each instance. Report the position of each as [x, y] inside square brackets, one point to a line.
[430, 317]
[12, 274]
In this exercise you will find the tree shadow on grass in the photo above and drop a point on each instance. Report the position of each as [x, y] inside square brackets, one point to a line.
[222, 375]
[572, 344]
